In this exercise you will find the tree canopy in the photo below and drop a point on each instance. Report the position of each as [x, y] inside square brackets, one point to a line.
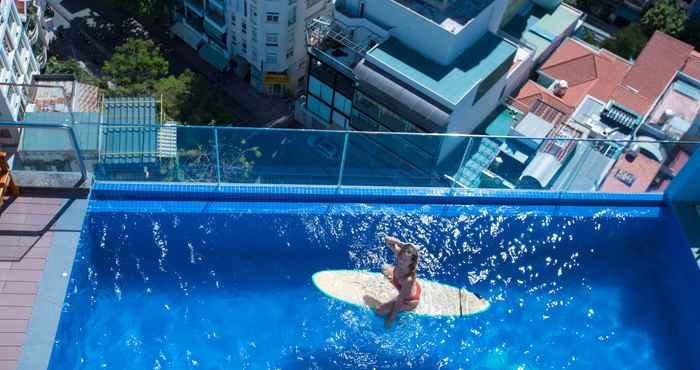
[69, 67]
[666, 17]
[190, 98]
[138, 68]
[135, 67]
[627, 42]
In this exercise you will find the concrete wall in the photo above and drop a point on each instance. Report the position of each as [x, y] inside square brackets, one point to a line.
[423, 35]
[467, 116]
[519, 76]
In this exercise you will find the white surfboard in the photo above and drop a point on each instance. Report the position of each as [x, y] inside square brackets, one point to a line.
[364, 288]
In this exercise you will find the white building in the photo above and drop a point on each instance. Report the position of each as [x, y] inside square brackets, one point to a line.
[259, 40]
[33, 14]
[17, 66]
[410, 65]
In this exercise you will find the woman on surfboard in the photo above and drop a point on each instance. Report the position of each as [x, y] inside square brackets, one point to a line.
[403, 277]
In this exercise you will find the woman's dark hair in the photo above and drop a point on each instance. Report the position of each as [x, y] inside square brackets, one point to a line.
[413, 252]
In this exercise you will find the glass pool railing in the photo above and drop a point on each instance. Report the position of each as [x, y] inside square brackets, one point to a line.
[218, 155]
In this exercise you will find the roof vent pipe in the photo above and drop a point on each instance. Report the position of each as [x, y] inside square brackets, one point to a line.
[560, 88]
[666, 116]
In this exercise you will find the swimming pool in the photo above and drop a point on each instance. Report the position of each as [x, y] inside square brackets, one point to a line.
[209, 285]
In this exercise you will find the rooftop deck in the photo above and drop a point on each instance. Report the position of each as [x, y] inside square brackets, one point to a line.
[449, 14]
[36, 234]
[451, 82]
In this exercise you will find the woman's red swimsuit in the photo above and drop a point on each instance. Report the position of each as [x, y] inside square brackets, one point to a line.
[415, 296]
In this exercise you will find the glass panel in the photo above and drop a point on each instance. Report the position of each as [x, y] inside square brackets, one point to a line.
[280, 157]
[564, 162]
[342, 103]
[160, 153]
[394, 160]
[44, 157]
[320, 108]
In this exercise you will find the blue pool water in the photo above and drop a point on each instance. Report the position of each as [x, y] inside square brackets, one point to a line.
[228, 286]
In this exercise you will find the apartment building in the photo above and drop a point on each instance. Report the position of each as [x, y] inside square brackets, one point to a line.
[36, 20]
[261, 41]
[411, 66]
[17, 66]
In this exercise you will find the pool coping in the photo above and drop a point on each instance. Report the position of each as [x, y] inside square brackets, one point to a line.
[47, 307]
[362, 194]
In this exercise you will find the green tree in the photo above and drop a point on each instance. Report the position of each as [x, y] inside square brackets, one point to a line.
[627, 42]
[191, 98]
[70, 67]
[175, 92]
[666, 17]
[135, 67]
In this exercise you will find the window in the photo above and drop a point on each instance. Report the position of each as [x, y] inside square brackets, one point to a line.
[244, 28]
[319, 108]
[292, 15]
[342, 104]
[320, 89]
[339, 119]
[271, 57]
[5, 134]
[194, 20]
[272, 39]
[272, 17]
[216, 15]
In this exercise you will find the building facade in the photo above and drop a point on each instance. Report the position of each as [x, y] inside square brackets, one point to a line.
[409, 66]
[17, 66]
[260, 41]
[36, 19]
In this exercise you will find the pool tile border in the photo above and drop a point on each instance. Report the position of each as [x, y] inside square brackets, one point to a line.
[332, 194]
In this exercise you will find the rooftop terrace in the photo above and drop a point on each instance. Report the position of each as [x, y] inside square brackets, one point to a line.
[451, 15]
[451, 82]
[539, 27]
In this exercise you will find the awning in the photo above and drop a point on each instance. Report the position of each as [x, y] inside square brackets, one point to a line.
[652, 148]
[214, 57]
[187, 34]
[542, 168]
[401, 99]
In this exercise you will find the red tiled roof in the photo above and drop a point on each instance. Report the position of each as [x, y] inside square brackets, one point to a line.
[587, 71]
[658, 63]
[692, 66]
[643, 168]
[532, 91]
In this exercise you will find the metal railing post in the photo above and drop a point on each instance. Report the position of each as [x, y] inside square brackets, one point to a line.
[342, 160]
[461, 163]
[78, 153]
[218, 162]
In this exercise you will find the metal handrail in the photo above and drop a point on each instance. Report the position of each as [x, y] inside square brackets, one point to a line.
[57, 126]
